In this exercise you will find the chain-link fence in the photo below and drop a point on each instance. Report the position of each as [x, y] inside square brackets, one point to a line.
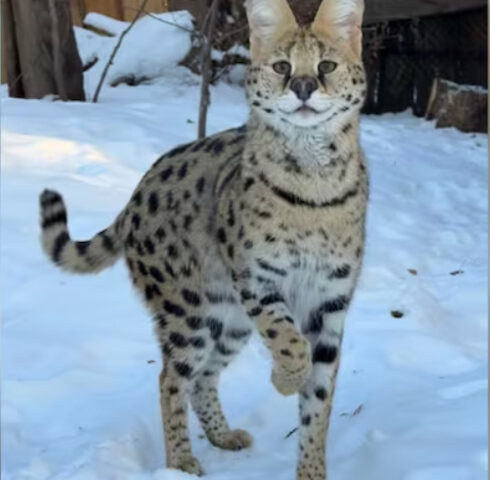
[402, 58]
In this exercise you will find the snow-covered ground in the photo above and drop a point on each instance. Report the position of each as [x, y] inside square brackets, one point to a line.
[80, 363]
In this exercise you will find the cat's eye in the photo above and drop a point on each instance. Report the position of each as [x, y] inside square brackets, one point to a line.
[326, 66]
[282, 67]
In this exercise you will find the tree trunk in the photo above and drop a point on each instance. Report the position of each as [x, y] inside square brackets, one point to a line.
[42, 53]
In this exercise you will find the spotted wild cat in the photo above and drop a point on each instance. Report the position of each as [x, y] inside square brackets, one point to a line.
[259, 227]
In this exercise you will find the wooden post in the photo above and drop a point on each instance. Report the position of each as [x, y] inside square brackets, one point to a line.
[461, 106]
[42, 55]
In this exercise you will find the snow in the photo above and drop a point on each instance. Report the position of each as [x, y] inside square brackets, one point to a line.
[105, 23]
[80, 363]
[152, 47]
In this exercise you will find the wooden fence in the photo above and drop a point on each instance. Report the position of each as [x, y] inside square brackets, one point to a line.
[119, 9]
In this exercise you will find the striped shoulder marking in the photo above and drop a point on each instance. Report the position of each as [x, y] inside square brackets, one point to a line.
[295, 200]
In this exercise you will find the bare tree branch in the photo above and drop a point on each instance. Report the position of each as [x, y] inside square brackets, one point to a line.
[116, 48]
[208, 29]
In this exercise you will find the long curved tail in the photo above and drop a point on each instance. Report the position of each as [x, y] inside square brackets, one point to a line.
[89, 256]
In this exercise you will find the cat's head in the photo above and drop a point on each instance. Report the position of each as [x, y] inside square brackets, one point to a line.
[305, 76]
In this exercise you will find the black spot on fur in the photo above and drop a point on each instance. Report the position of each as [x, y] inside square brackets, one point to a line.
[221, 235]
[247, 295]
[254, 312]
[160, 234]
[249, 181]
[107, 242]
[320, 393]
[191, 297]
[215, 327]
[271, 333]
[172, 251]
[142, 268]
[161, 320]
[137, 198]
[347, 127]
[183, 369]
[149, 245]
[200, 183]
[306, 420]
[324, 353]
[194, 323]
[153, 202]
[156, 274]
[223, 349]
[271, 298]
[148, 292]
[169, 269]
[197, 342]
[269, 238]
[178, 339]
[166, 174]
[82, 247]
[173, 308]
[341, 272]
[231, 215]
[182, 171]
[236, 334]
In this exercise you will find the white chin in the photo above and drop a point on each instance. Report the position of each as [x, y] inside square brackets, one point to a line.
[304, 119]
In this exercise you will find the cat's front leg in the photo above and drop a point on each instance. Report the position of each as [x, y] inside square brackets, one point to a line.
[289, 348]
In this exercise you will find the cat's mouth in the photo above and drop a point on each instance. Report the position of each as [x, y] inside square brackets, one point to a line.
[303, 110]
[306, 110]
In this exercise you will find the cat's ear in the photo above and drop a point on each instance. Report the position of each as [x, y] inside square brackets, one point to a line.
[341, 20]
[268, 21]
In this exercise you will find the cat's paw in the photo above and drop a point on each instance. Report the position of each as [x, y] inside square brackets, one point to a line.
[232, 440]
[292, 365]
[188, 464]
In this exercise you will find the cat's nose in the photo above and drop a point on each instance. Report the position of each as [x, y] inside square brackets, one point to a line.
[304, 86]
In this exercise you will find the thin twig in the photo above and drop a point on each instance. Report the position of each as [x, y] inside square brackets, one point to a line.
[294, 430]
[116, 48]
[232, 32]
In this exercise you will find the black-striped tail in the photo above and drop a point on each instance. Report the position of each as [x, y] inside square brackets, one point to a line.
[89, 256]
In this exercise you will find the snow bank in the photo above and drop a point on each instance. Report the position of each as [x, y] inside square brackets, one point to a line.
[151, 49]
[105, 23]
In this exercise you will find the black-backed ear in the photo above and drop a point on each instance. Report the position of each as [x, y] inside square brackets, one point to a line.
[341, 19]
[268, 21]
